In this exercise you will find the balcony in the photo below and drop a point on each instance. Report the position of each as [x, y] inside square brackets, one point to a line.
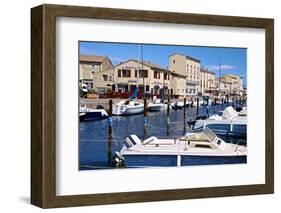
[190, 82]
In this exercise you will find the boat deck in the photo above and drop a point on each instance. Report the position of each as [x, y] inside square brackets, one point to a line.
[170, 147]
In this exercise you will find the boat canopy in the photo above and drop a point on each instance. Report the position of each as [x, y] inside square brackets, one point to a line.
[229, 113]
[206, 135]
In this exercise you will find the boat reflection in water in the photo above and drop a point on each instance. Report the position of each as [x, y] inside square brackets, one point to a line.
[202, 148]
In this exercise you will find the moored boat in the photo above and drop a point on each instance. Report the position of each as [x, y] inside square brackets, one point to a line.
[156, 105]
[192, 149]
[229, 124]
[127, 107]
[88, 114]
[177, 105]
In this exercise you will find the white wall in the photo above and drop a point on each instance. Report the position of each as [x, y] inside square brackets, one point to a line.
[15, 104]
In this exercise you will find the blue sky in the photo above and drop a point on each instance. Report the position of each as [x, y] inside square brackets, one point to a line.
[233, 60]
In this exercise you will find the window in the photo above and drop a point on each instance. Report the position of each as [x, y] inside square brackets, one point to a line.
[119, 73]
[143, 73]
[105, 77]
[202, 146]
[147, 88]
[174, 61]
[110, 78]
[165, 76]
[156, 74]
[126, 73]
[136, 73]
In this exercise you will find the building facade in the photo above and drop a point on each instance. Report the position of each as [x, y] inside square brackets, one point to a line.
[156, 79]
[207, 82]
[188, 67]
[230, 84]
[91, 70]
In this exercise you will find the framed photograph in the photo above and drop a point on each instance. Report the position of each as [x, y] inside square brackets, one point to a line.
[137, 106]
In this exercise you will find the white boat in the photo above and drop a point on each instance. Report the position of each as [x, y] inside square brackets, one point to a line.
[229, 124]
[192, 149]
[127, 107]
[156, 105]
[88, 114]
[177, 105]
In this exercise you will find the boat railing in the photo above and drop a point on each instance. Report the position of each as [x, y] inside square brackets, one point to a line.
[238, 144]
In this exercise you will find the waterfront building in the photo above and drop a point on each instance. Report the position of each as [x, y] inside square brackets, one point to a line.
[156, 79]
[207, 82]
[190, 68]
[230, 84]
[91, 69]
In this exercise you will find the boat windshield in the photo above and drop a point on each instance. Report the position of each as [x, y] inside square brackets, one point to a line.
[209, 134]
[198, 124]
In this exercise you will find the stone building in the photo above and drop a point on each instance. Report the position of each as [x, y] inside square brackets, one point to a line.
[188, 67]
[156, 79]
[91, 68]
[230, 84]
[207, 82]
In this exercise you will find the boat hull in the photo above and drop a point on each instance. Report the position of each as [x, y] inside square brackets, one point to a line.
[166, 161]
[92, 116]
[156, 107]
[133, 111]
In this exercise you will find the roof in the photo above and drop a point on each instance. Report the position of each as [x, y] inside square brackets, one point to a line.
[223, 80]
[94, 58]
[187, 57]
[233, 76]
[152, 66]
[146, 63]
[204, 70]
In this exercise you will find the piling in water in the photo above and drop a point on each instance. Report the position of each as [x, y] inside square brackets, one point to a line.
[109, 147]
[197, 107]
[145, 119]
[184, 115]
[215, 103]
[168, 116]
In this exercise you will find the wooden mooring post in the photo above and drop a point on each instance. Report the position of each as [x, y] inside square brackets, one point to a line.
[145, 123]
[197, 106]
[168, 116]
[184, 115]
[109, 146]
[215, 103]
[227, 100]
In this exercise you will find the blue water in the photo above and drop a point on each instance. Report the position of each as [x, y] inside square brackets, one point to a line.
[93, 145]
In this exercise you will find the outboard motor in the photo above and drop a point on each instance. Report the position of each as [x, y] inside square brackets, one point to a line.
[238, 109]
[100, 107]
[118, 160]
[191, 123]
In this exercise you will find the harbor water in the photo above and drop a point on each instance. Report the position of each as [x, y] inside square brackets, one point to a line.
[95, 148]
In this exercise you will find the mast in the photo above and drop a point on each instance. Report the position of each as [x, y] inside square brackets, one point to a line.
[143, 90]
[220, 77]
